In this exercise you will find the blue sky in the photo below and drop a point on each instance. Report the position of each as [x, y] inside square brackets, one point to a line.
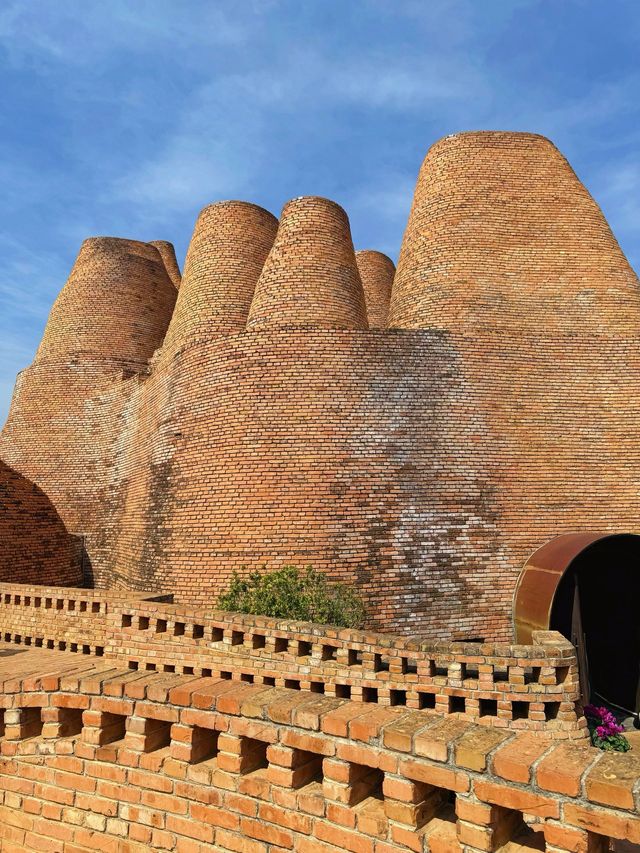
[125, 117]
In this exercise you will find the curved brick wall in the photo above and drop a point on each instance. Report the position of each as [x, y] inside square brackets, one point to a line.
[530, 688]
[168, 255]
[377, 272]
[116, 303]
[95, 758]
[324, 449]
[35, 546]
[226, 255]
[311, 276]
[59, 434]
[109, 318]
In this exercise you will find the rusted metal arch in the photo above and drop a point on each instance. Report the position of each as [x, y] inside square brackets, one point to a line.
[541, 576]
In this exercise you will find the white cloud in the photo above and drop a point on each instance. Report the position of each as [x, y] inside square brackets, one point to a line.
[383, 208]
[29, 281]
[79, 31]
[405, 86]
[617, 190]
[213, 152]
[225, 132]
[15, 355]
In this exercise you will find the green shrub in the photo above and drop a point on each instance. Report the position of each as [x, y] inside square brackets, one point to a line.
[292, 593]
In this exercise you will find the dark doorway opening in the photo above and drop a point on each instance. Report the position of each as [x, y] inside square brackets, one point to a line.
[596, 606]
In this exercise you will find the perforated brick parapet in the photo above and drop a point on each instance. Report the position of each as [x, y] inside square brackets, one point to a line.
[100, 759]
[531, 688]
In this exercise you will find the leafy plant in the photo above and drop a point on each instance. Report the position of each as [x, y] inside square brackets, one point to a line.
[293, 593]
[605, 731]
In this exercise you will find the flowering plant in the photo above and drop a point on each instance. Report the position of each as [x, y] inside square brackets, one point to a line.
[605, 730]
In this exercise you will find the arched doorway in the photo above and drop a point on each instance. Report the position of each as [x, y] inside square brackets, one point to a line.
[587, 586]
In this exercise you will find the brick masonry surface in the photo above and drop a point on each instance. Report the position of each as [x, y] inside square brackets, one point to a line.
[310, 277]
[532, 688]
[279, 422]
[376, 272]
[96, 758]
[36, 546]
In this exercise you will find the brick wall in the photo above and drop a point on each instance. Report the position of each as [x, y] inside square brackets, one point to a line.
[108, 320]
[108, 760]
[506, 250]
[230, 243]
[310, 277]
[68, 619]
[117, 303]
[59, 435]
[309, 448]
[168, 255]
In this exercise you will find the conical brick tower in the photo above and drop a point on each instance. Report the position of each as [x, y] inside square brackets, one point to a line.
[168, 255]
[310, 278]
[377, 272]
[110, 317]
[502, 233]
[509, 257]
[230, 243]
[423, 464]
[116, 303]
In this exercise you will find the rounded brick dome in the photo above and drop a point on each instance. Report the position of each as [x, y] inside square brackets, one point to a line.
[230, 243]
[116, 303]
[168, 255]
[377, 272]
[36, 546]
[310, 278]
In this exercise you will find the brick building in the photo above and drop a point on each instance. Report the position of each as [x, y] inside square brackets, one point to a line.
[421, 435]
[459, 438]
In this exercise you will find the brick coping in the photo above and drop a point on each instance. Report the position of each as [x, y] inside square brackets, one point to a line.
[395, 737]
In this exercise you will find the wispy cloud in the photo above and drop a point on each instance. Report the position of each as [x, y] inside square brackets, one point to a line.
[29, 277]
[212, 152]
[379, 212]
[78, 31]
[617, 189]
[226, 132]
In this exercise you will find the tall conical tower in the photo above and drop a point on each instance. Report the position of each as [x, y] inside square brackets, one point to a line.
[110, 317]
[168, 255]
[509, 257]
[502, 233]
[230, 243]
[310, 278]
[377, 272]
[116, 304]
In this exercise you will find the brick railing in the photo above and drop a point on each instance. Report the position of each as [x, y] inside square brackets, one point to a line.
[63, 618]
[112, 760]
[532, 687]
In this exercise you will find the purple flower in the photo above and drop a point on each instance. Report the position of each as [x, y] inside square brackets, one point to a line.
[608, 724]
